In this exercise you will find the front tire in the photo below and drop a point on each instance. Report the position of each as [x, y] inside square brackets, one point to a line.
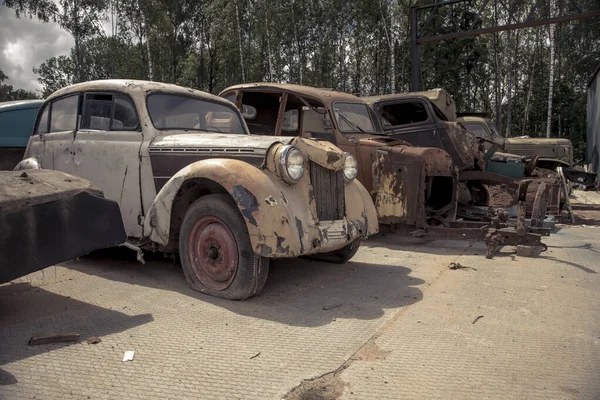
[216, 253]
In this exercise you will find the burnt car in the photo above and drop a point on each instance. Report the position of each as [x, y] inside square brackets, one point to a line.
[47, 217]
[189, 179]
[415, 189]
[422, 186]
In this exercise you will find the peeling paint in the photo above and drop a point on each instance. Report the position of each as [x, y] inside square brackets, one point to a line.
[247, 201]
[300, 230]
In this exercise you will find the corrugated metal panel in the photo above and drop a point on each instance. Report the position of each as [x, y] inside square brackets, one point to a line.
[593, 124]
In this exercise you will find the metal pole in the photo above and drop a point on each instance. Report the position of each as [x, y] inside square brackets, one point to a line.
[415, 64]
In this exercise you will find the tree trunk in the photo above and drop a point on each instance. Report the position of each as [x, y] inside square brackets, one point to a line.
[509, 89]
[551, 79]
[269, 55]
[239, 25]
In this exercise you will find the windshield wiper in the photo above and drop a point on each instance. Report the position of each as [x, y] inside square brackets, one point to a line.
[341, 114]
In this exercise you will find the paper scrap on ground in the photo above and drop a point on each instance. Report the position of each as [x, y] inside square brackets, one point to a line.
[128, 356]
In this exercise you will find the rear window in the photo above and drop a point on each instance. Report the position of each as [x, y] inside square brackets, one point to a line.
[403, 114]
[177, 112]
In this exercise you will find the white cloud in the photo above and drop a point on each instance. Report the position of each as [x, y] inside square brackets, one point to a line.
[26, 43]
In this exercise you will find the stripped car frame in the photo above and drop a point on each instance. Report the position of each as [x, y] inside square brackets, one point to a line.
[415, 189]
[189, 179]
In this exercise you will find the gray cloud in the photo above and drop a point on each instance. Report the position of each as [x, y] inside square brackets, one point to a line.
[26, 43]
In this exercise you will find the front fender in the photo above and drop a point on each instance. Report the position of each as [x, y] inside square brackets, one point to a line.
[279, 216]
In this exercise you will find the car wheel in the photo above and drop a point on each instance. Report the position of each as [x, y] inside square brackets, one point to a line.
[216, 253]
[340, 256]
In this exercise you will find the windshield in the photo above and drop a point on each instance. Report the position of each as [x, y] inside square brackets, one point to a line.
[353, 117]
[494, 129]
[477, 128]
[171, 111]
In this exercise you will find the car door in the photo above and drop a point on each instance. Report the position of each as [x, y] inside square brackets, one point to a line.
[53, 134]
[411, 121]
[107, 152]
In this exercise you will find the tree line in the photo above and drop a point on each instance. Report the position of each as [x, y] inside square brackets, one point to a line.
[357, 46]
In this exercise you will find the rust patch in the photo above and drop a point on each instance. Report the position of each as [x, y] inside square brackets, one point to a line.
[247, 201]
[333, 157]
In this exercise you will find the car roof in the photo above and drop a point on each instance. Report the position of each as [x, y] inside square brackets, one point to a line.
[325, 95]
[20, 105]
[394, 96]
[131, 85]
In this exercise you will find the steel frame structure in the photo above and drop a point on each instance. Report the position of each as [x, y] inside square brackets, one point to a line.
[419, 31]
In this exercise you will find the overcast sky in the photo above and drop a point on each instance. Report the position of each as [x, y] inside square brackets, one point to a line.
[26, 43]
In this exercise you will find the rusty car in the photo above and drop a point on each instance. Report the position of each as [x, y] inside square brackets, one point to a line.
[414, 188]
[189, 179]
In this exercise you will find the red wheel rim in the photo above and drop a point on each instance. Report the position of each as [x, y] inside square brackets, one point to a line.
[213, 253]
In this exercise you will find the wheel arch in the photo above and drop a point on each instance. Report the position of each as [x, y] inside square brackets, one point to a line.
[214, 176]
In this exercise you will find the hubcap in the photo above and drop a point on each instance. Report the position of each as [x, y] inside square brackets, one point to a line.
[213, 253]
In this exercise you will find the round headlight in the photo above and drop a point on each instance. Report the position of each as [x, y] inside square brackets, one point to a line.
[292, 163]
[350, 167]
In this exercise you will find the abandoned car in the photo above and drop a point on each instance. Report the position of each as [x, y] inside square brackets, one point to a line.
[415, 189]
[16, 123]
[419, 184]
[189, 178]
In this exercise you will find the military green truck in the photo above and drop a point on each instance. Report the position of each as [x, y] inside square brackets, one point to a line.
[551, 152]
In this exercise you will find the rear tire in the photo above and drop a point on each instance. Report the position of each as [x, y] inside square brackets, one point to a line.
[340, 256]
[216, 253]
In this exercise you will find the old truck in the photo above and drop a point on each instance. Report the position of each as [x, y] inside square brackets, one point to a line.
[486, 174]
[16, 123]
[189, 179]
[551, 152]
[47, 217]
[414, 188]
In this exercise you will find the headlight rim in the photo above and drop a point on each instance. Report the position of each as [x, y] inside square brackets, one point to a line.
[350, 156]
[283, 164]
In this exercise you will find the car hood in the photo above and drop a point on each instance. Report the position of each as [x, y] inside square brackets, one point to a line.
[216, 142]
[538, 141]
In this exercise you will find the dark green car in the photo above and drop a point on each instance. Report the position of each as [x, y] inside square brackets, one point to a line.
[16, 124]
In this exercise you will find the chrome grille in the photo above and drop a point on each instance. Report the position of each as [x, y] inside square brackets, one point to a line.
[329, 192]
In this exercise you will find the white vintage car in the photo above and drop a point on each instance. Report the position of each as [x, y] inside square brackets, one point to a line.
[190, 179]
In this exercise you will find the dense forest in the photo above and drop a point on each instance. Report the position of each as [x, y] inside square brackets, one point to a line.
[358, 46]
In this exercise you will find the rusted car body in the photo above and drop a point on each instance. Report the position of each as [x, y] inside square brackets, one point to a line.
[189, 179]
[414, 188]
[409, 185]
[47, 217]
[415, 117]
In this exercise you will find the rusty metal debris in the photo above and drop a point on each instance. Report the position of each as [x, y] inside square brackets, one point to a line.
[456, 266]
[57, 338]
[94, 340]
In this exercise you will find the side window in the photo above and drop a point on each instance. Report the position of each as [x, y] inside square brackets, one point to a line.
[64, 114]
[106, 111]
[97, 110]
[403, 114]
[124, 117]
[231, 97]
[43, 123]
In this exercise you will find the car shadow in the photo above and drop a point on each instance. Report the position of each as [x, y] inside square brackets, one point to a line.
[27, 311]
[298, 292]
